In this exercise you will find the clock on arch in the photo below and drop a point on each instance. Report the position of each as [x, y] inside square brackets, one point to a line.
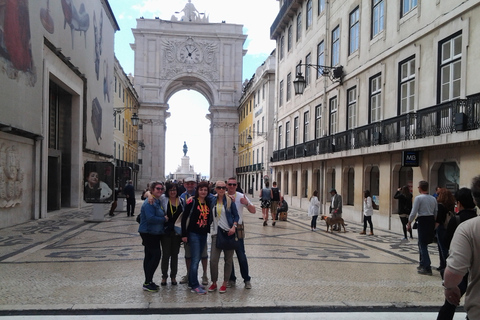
[190, 53]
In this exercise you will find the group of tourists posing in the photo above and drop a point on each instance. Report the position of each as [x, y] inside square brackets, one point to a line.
[167, 220]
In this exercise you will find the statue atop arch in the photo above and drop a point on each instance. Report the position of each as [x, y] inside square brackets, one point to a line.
[185, 148]
[191, 14]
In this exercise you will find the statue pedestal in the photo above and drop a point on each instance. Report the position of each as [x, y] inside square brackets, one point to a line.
[98, 213]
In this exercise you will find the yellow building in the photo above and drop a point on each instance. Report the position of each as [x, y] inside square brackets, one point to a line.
[126, 144]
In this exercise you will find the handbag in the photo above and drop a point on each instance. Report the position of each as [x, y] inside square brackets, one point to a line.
[240, 231]
[224, 241]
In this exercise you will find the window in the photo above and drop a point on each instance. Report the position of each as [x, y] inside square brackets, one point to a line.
[280, 93]
[263, 124]
[335, 46]
[289, 86]
[450, 68]
[296, 131]
[351, 108]
[320, 58]
[321, 6]
[263, 91]
[318, 121]
[375, 98]
[299, 26]
[378, 17]
[280, 141]
[287, 134]
[333, 115]
[407, 86]
[289, 38]
[306, 121]
[354, 22]
[407, 6]
[309, 21]
[308, 60]
[282, 47]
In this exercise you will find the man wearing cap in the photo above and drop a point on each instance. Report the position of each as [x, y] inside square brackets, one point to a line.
[336, 206]
[190, 185]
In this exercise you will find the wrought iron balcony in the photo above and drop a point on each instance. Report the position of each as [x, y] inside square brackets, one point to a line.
[449, 117]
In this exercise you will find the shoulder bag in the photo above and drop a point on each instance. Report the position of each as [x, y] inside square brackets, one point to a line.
[224, 241]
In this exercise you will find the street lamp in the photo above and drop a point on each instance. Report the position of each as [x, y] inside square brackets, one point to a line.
[334, 73]
[141, 144]
[135, 119]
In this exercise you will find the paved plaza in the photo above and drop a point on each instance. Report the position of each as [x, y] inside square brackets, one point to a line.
[63, 265]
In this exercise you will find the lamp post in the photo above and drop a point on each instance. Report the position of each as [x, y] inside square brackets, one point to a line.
[334, 73]
[135, 119]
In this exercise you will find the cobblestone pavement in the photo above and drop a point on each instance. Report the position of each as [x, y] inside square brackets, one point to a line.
[64, 263]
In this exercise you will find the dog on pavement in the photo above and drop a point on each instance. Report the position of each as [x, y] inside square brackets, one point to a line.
[333, 221]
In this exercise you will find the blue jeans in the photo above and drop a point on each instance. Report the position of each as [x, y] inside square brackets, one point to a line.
[197, 243]
[426, 230]
[242, 261]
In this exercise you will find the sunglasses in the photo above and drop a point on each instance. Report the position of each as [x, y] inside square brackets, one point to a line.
[232, 184]
[223, 188]
[159, 189]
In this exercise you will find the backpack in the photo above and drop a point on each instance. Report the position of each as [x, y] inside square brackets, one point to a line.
[449, 215]
[276, 194]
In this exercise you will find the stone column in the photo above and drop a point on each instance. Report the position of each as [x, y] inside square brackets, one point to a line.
[224, 134]
[152, 118]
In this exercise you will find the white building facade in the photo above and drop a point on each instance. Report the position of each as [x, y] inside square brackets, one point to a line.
[56, 85]
[406, 107]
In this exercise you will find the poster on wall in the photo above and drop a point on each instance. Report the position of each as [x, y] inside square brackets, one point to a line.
[99, 182]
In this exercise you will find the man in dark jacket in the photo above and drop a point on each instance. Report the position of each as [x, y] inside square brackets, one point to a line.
[129, 193]
[466, 207]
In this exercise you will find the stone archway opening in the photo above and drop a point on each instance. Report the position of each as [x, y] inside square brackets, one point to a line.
[188, 123]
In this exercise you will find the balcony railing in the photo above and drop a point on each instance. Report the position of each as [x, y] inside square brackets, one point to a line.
[453, 116]
[250, 168]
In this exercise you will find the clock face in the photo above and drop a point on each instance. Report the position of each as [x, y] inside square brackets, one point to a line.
[190, 53]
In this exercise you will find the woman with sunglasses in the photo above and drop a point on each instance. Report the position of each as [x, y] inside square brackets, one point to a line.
[152, 220]
[197, 214]
[172, 239]
[225, 220]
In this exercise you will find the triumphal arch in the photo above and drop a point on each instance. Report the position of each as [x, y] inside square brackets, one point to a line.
[188, 53]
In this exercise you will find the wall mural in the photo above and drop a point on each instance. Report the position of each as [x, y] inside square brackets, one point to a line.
[46, 19]
[97, 119]
[77, 20]
[11, 177]
[97, 31]
[15, 48]
[106, 82]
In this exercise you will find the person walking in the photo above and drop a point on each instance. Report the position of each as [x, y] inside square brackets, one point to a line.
[466, 206]
[225, 219]
[314, 210]
[465, 257]
[367, 212]
[171, 239]
[425, 211]
[198, 215]
[275, 200]
[152, 219]
[404, 198]
[241, 201]
[129, 192]
[265, 196]
[446, 208]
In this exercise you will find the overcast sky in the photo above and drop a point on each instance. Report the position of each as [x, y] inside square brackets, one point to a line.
[188, 108]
